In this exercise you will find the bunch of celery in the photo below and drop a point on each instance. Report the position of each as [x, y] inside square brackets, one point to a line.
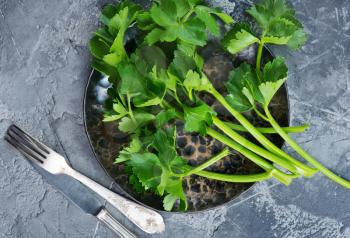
[160, 80]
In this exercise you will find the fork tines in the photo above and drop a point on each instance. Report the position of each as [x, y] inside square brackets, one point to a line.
[26, 144]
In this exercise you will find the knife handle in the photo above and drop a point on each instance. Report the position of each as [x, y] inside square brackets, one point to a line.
[145, 218]
[114, 225]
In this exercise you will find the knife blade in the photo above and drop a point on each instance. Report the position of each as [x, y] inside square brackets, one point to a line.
[82, 197]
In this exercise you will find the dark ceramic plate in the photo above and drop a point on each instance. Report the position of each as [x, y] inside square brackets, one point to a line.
[201, 193]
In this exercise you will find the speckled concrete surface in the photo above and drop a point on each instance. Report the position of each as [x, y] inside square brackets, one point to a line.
[44, 65]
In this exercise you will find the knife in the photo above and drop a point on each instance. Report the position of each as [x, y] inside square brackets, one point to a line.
[44, 158]
[85, 199]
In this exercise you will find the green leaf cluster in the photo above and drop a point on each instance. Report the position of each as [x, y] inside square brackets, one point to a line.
[198, 118]
[278, 25]
[107, 44]
[185, 20]
[246, 89]
[156, 167]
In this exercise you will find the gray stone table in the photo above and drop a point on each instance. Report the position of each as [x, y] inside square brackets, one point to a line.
[44, 66]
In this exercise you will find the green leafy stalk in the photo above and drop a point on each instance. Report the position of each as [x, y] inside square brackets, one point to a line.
[281, 28]
[302, 168]
[269, 130]
[251, 178]
[278, 174]
[188, 14]
[130, 109]
[225, 177]
[304, 154]
[253, 147]
[199, 170]
[202, 115]
[196, 119]
[207, 163]
[258, 61]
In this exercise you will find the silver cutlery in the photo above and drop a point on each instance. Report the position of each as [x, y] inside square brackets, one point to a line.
[39, 154]
[114, 225]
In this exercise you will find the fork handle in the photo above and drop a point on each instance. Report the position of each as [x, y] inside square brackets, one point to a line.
[146, 219]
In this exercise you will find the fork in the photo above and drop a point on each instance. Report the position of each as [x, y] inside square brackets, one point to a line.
[39, 154]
